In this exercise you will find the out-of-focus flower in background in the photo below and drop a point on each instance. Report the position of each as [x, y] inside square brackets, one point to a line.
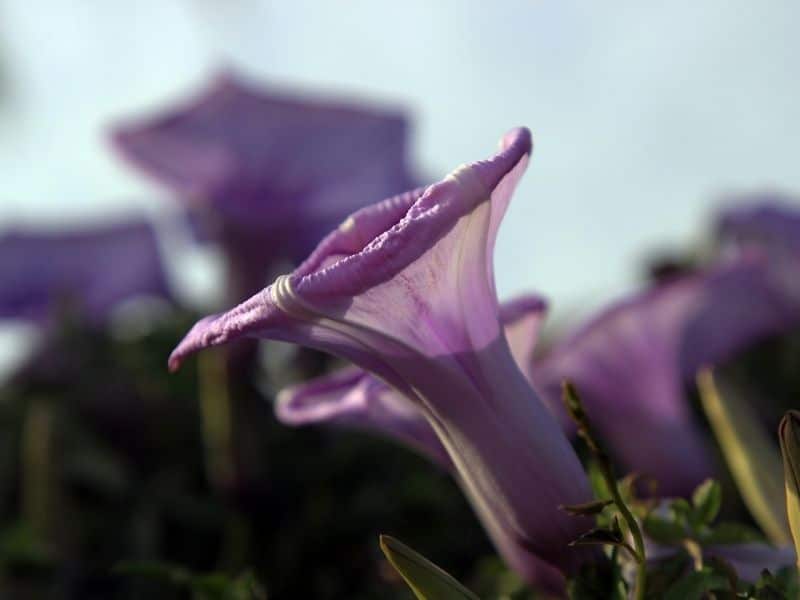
[80, 287]
[632, 362]
[90, 271]
[768, 220]
[405, 289]
[769, 224]
[267, 173]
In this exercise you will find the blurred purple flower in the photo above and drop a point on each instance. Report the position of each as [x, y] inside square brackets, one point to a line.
[766, 220]
[91, 270]
[276, 173]
[632, 361]
[749, 559]
[405, 289]
[769, 224]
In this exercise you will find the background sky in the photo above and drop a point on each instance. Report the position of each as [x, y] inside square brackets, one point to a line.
[644, 117]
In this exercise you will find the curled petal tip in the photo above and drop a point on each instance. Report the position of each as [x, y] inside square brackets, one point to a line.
[529, 304]
[520, 136]
[174, 363]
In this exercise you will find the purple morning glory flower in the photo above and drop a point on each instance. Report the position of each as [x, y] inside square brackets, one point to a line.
[751, 558]
[770, 225]
[405, 289]
[352, 397]
[274, 173]
[632, 361]
[93, 270]
[771, 221]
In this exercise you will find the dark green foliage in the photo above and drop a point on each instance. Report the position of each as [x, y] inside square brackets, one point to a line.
[303, 514]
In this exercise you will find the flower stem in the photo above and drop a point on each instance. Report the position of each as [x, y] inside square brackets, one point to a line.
[37, 468]
[217, 418]
[578, 414]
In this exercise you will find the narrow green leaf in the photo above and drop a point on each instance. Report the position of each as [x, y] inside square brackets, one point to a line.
[750, 454]
[789, 435]
[706, 501]
[426, 580]
[600, 536]
[587, 508]
[597, 481]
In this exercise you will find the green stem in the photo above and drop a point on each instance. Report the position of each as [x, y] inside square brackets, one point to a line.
[578, 414]
[694, 550]
[216, 413]
[633, 527]
[37, 468]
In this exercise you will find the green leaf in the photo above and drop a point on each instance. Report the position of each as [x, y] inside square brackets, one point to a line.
[695, 585]
[426, 580]
[601, 536]
[156, 571]
[217, 586]
[706, 501]
[681, 510]
[663, 574]
[598, 580]
[663, 530]
[19, 545]
[769, 587]
[208, 586]
[749, 452]
[789, 436]
[731, 533]
[722, 567]
[597, 480]
[587, 508]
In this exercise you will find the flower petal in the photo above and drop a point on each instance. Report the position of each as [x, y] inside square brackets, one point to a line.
[769, 225]
[354, 398]
[267, 161]
[631, 362]
[95, 268]
[750, 559]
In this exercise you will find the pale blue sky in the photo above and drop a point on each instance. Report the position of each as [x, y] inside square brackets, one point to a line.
[643, 115]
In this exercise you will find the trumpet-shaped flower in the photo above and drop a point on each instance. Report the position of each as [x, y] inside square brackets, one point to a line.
[94, 269]
[352, 397]
[631, 364]
[271, 173]
[405, 289]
